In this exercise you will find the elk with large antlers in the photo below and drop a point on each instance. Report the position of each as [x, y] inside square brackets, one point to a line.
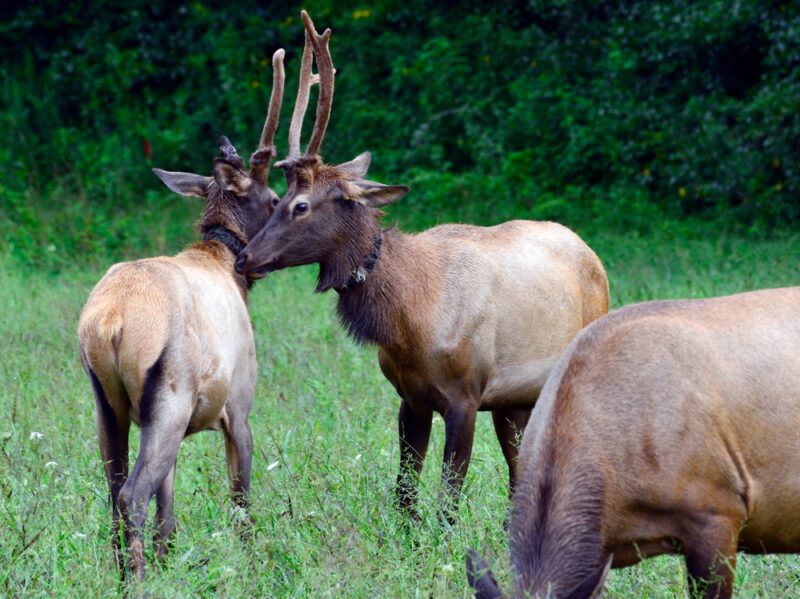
[167, 342]
[467, 318]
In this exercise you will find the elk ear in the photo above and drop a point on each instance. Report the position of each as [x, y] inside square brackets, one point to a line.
[230, 178]
[591, 587]
[357, 167]
[372, 193]
[481, 579]
[185, 184]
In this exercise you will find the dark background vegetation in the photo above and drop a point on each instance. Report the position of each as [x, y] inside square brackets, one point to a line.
[600, 114]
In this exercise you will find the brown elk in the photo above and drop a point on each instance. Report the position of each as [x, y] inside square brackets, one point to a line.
[167, 342]
[467, 318]
[666, 427]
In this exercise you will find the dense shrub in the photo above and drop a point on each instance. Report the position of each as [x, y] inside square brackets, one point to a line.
[608, 111]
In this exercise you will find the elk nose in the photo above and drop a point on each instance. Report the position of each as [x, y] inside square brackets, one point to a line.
[241, 261]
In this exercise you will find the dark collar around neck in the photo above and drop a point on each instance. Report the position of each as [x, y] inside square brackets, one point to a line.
[359, 273]
[230, 241]
[226, 236]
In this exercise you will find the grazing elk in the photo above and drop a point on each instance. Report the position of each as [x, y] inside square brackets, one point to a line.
[467, 318]
[666, 427]
[167, 342]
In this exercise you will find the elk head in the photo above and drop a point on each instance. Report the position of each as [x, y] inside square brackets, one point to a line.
[237, 199]
[329, 213]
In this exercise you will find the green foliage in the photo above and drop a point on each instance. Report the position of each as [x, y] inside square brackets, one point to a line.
[587, 112]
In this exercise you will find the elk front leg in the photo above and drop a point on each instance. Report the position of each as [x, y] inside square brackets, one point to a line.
[509, 424]
[165, 515]
[711, 557]
[459, 426]
[414, 428]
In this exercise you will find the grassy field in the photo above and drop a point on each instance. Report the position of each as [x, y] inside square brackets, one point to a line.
[326, 450]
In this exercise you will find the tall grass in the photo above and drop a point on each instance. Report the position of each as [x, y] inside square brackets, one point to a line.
[324, 423]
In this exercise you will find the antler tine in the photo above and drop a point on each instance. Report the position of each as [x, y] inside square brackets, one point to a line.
[260, 159]
[307, 79]
[326, 73]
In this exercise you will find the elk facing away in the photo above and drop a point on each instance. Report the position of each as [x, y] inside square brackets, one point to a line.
[467, 318]
[666, 427]
[167, 342]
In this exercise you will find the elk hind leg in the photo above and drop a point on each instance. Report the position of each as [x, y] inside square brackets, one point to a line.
[112, 435]
[165, 516]
[164, 412]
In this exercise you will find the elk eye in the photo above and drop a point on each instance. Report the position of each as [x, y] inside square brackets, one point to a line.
[301, 207]
[275, 201]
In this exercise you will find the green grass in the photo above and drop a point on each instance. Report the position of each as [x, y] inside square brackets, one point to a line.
[326, 450]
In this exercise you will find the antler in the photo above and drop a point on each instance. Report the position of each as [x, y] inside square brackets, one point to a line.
[260, 159]
[229, 153]
[307, 79]
[326, 73]
[315, 46]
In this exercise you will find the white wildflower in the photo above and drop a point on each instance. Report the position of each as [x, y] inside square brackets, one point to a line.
[36, 435]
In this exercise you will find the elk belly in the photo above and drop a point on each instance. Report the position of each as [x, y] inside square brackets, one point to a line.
[209, 403]
[516, 384]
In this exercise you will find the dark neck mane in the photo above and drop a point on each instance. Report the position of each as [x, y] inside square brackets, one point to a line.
[361, 229]
[219, 223]
[221, 211]
[377, 310]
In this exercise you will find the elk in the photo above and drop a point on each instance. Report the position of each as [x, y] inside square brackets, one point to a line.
[167, 342]
[466, 318]
[666, 427]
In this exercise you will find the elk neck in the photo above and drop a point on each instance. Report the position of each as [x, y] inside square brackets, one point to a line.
[359, 273]
[557, 520]
[381, 294]
[226, 236]
[219, 223]
[359, 238]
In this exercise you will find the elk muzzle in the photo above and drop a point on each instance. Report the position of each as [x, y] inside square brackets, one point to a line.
[246, 264]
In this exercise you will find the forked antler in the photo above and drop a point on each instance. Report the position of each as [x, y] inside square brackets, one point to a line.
[316, 46]
[260, 159]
